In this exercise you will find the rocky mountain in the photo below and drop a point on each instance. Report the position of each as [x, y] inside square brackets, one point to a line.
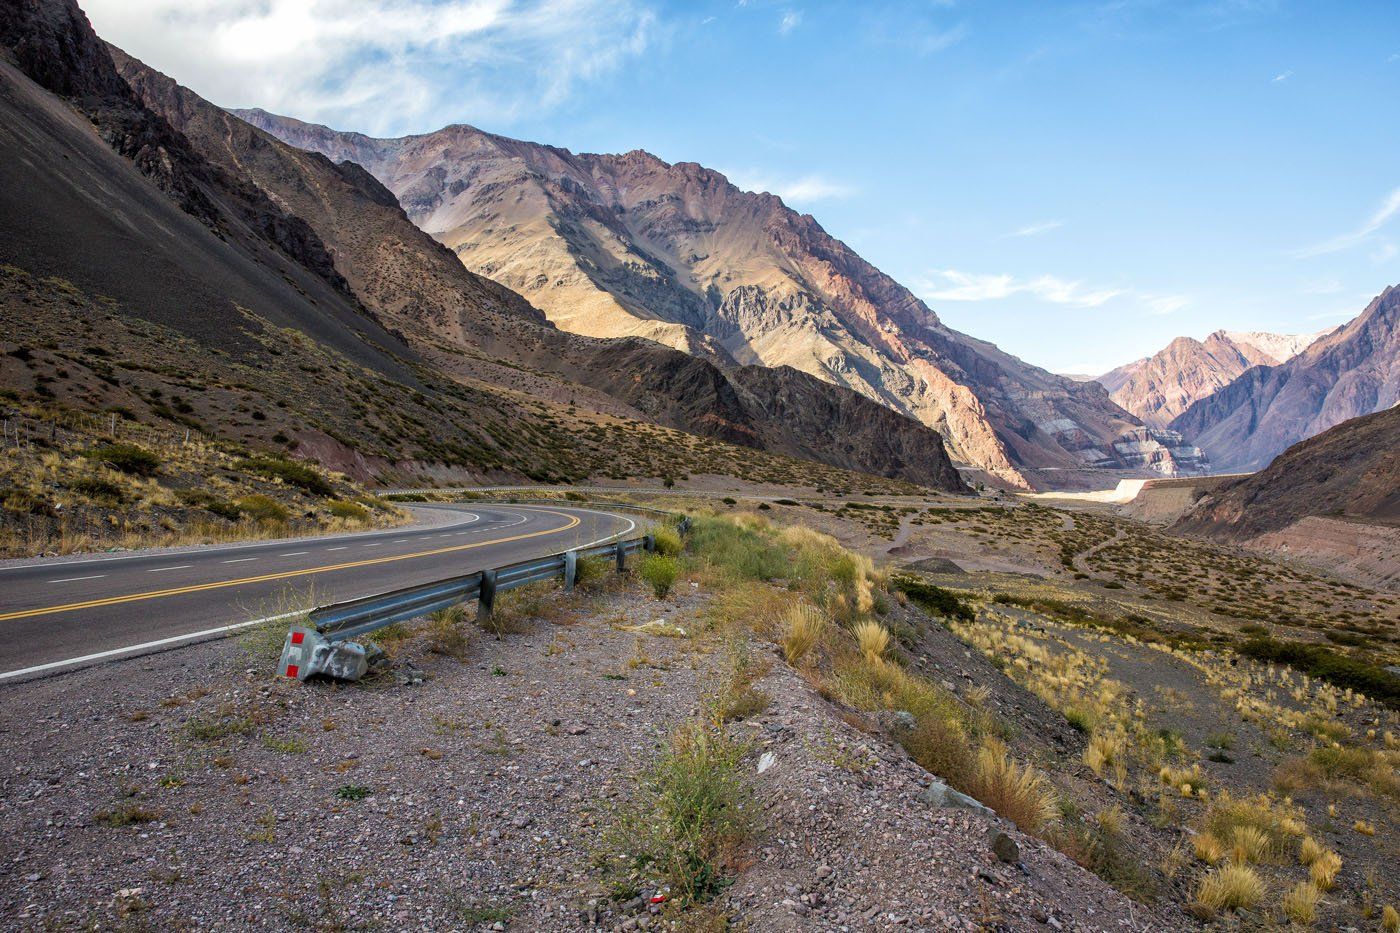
[1350, 471]
[288, 300]
[418, 288]
[1352, 371]
[611, 245]
[1162, 386]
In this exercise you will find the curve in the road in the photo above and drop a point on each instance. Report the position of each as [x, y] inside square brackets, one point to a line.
[115, 613]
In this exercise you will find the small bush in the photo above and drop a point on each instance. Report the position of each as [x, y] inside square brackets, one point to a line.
[447, 632]
[98, 490]
[288, 471]
[1234, 887]
[351, 511]
[935, 599]
[592, 572]
[1390, 919]
[262, 508]
[668, 541]
[127, 458]
[801, 631]
[687, 823]
[352, 792]
[126, 815]
[660, 572]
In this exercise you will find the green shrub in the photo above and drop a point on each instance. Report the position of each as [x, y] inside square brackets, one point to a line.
[737, 551]
[262, 508]
[98, 490]
[936, 599]
[1331, 666]
[688, 821]
[351, 511]
[660, 572]
[288, 471]
[668, 540]
[128, 458]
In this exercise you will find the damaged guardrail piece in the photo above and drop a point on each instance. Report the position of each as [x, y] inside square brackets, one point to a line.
[324, 648]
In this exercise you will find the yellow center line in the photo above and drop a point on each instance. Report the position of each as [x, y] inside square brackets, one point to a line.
[176, 591]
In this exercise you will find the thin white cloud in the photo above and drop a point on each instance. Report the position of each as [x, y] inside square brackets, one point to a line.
[805, 189]
[1165, 304]
[1386, 212]
[1322, 287]
[790, 20]
[1282, 76]
[1384, 253]
[953, 285]
[1036, 229]
[382, 66]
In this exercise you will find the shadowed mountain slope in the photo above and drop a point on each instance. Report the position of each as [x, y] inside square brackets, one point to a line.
[1349, 471]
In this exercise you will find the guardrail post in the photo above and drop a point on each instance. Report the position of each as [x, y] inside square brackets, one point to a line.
[486, 597]
[621, 557]
[648, 542]
[570, 570]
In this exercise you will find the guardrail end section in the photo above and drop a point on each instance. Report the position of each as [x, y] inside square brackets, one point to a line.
[307, 652]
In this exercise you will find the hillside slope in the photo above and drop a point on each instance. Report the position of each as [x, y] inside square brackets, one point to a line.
[481, 332]
[1350, 471]
[1353, 371]
[613, 245]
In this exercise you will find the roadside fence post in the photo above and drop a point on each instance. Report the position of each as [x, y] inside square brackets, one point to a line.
[486, 598]
[570, 570]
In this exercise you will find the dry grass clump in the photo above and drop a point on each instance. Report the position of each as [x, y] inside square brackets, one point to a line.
[1233, 887]
[1300, 903]
[1390, 919]
[873, 639]
[1208, 848]
[1189, 781]
[1261, 827]
[1016, 791]
[1323, 870]
[801, 631]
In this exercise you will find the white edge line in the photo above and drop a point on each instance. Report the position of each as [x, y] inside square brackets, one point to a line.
[96, 576]
[176, 639]
[172, 640]
[198, 550]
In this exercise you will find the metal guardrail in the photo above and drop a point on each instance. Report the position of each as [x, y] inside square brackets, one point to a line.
[325, 646]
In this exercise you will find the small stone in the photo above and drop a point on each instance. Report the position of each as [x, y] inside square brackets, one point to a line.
[765, 761]
[1005, 848]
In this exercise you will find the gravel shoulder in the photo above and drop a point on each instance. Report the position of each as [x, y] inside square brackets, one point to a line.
[188, 790]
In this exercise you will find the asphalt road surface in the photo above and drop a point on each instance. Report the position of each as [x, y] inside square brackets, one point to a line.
[65, 612]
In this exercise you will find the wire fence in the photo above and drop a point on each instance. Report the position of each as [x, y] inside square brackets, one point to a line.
[20, 431]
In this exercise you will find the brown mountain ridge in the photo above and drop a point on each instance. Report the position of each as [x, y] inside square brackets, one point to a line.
[614, 245]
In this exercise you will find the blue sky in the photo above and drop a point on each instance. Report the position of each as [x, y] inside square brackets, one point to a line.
[1077, 182]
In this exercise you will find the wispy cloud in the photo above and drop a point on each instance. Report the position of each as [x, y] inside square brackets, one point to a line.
[1383, 214]
[1322, 287]
[805, 189]
[1036, 229]
[1165, 304]
[382, 66]
[953, 285]
[789, 21]
[1282, 76]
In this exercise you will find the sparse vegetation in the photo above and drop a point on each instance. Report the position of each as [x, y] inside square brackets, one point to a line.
[660, 572]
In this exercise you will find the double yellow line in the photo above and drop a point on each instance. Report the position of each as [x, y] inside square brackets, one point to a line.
[573, 521]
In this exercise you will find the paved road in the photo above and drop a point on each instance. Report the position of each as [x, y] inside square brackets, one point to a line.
[60, 612]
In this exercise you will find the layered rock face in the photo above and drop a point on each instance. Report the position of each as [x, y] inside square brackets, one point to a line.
[629, 245]
[1164, 385]
[1352, 371]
